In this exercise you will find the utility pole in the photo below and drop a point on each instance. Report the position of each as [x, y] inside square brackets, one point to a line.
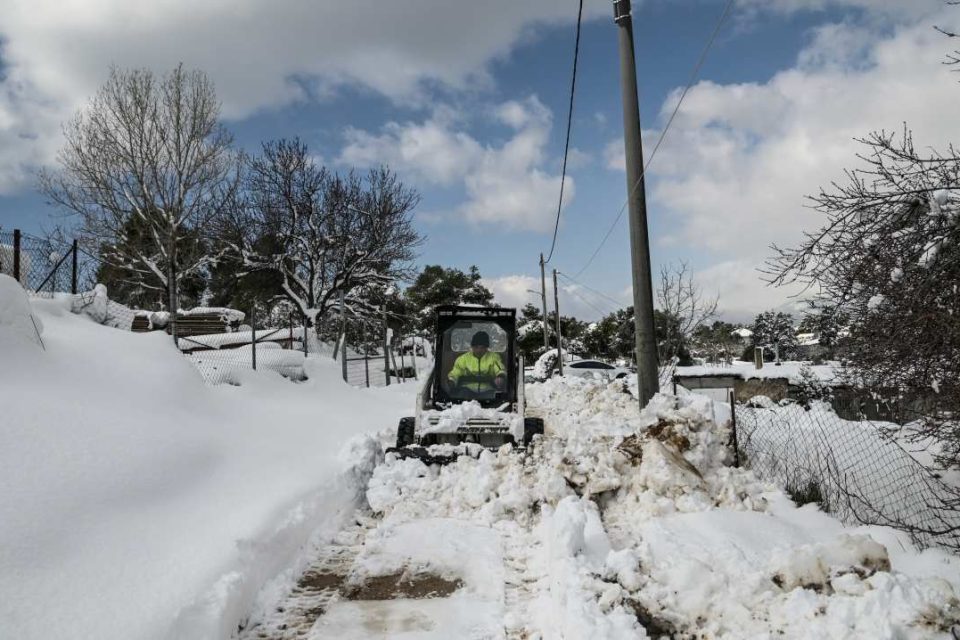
[556, 308]
[647, 378]
[543, 299]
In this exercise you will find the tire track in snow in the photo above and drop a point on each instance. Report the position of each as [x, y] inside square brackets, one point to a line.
[317, 588]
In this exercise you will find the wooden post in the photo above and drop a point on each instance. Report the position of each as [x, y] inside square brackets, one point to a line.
[73, 277]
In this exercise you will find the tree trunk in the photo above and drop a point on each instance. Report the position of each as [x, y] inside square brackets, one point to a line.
[172, 292]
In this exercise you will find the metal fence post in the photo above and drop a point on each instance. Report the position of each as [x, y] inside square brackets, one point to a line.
[306, 337]
[386, 346]
[16, 255]
[253, 336]
[366, 355]
[733, 420]
[343, 347]
[56, 276]
[73, 277]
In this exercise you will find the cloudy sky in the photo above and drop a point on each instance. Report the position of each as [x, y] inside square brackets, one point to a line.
[467, 101]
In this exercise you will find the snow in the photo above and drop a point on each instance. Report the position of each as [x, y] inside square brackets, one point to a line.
[449, 420]
[788, 369]
[618, 510]
[219, 340]
[139, 502]
[228, 315]
[17, 320]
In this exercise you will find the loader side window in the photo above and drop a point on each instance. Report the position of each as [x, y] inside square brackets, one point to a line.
[481, 378]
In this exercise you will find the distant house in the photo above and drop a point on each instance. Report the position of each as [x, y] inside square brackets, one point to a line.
[742, 334]
[809, 347]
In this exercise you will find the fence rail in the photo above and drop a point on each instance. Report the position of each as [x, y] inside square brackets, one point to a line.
[855, 469]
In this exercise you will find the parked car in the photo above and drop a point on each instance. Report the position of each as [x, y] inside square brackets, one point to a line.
[592, 368]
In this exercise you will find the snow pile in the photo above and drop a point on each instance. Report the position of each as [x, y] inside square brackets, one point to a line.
[230, 316]
[135, 496]
[543, 367]
[631, 524]
[17, 320]
[97, 305]
[450, 419]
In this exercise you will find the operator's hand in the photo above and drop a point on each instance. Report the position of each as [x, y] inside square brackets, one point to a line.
[499, 381]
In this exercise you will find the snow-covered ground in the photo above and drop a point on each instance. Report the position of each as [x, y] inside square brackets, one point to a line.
[138, 502]
[791, 370]
[618, 524]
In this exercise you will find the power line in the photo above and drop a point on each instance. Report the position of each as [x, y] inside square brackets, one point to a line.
[619, 304]
[590, 304]
[566, 147]
[690, 81]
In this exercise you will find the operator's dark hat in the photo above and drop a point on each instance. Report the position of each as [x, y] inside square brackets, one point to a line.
[480, 339]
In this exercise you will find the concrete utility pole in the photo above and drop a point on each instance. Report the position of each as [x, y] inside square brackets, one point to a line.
[543, 299]
[556, 308]
[647, 377]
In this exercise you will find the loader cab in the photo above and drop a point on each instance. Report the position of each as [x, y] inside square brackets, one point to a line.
[455, 329]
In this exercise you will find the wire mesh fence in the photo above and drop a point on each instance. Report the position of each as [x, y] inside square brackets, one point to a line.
[43, 266]
[372, 355]
[855, 469]
[225, 358]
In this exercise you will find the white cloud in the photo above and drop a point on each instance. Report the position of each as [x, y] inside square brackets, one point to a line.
[505, 185]
[734, 171]
[736, 166]
[515, 291]
[259, 54]
[615, 156]
[742, 292]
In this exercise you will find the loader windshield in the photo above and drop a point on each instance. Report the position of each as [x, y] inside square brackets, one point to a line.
[473, 358]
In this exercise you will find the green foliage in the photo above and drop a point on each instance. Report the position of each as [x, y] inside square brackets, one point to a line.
[437, 285]
[806, 493]
[773, 329]
[130, 283]
[811, 389]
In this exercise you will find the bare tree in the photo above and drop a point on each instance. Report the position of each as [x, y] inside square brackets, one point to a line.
[953, 58]
[147, 166]
[888, 256]
[684, 310]
[327, 236]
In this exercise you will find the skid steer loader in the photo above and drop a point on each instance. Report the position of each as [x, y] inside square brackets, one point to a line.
[454, 406]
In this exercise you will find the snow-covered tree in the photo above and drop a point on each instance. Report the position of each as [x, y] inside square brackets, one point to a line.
[325, 236]
[774, 330]
[147, 154]
[888, 256]
[437, 285]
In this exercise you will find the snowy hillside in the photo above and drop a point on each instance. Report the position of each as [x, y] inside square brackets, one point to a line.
[136, 498]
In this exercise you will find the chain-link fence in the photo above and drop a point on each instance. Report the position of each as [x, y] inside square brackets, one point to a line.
[856, 470]
[43, 266]
[372, 355]
[225, 358]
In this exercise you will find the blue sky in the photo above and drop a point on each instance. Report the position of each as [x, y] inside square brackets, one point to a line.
[468, 103]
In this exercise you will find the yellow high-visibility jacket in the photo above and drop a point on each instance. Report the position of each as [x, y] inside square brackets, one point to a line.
[489, 365]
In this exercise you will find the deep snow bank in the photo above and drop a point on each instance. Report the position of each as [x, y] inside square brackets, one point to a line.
[136, 498]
